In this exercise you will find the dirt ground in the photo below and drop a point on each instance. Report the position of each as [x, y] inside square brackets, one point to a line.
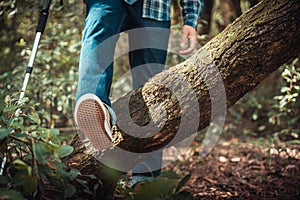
[242, 170]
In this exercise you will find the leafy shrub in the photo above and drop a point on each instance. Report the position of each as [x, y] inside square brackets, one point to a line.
[30, 154]
[53, 81]
[271, 110]
[287, 110]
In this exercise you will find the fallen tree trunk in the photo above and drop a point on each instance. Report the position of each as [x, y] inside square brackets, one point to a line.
[244, 54]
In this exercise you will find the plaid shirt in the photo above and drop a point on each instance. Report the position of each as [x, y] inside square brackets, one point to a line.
[161, 10]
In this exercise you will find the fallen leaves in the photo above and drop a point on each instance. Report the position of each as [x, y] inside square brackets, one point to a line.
[243, 171]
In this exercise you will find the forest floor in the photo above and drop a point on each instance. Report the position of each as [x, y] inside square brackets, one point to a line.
[242, 170]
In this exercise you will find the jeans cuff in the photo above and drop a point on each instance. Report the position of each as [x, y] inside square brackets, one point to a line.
[136, 179]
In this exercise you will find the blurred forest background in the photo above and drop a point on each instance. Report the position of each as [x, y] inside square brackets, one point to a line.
[267, 117]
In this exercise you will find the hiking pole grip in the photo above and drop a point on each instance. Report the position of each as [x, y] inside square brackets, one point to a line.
[43, 17]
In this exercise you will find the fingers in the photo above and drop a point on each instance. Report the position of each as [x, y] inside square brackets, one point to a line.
[184, 42]
[191, 45]
[188, 41]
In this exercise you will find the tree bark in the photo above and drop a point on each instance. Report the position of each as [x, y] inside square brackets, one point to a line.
[245, 53]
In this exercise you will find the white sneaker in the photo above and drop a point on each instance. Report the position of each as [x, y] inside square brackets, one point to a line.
[93, 119]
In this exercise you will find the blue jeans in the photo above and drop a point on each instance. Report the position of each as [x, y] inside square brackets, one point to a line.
[104, 21]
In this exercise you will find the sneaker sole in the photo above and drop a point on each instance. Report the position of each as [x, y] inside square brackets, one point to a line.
[90, 119]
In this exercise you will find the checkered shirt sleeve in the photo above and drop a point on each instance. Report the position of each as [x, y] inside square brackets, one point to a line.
[161, 10]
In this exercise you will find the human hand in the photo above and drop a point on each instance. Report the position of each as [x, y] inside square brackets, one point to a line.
[189, 39]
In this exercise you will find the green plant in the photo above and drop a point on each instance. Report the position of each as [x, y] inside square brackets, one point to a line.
[33, 154]
[167, 186]
[287, 115]
[53, 81]
[271, 110]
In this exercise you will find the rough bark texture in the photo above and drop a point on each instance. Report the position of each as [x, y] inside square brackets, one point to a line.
[245, 53]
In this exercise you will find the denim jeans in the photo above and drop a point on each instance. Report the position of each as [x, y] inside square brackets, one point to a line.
[104, 21]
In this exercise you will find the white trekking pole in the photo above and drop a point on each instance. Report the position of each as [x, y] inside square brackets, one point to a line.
[39, 31]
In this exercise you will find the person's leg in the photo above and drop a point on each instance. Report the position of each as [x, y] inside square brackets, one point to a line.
[103, 22]
[92, 117]
[146, 62]
[148, 44]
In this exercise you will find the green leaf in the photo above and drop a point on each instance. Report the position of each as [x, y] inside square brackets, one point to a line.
[39, 152]
[82, 182]
[34, 116]
[10, 109]
[65, 151]
[88, 191]
[154, 190]
[184, 195]
[69, 190]
[3, 133]
[73, 174]
[19, 136]
[54, 131]
[182, 182]
[286, 72]
[169, 174]
[19, 164]
[29, 170]
[23, 100]
[91, 176]
[285, 89]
